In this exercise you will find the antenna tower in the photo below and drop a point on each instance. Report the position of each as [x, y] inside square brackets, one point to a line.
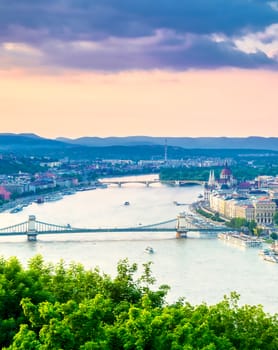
[165, 151]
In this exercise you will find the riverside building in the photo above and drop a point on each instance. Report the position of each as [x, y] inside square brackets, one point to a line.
[261, 210]
[264, 211]
[223, 198]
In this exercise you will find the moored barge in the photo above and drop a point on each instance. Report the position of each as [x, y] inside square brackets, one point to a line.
[240, 239]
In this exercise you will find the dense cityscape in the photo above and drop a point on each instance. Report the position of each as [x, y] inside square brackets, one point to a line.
[251, 199]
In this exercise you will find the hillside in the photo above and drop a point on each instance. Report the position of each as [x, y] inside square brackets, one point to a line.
[252, 142]
[123, 148]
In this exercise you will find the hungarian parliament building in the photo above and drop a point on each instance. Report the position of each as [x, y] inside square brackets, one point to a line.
[233, 200]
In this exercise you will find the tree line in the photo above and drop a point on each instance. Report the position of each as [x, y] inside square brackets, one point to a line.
[241, 173]
[49, 307]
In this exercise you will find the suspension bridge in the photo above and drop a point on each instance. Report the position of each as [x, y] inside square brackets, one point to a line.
[181, 225]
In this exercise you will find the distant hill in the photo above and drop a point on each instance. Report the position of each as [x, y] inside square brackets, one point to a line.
[134, 148]
[112, 141]
[11, 142]
[252, 142]
[31, 144]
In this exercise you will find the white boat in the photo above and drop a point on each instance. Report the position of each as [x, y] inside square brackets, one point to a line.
[264, 252]
[53, 198]
[271, 258]
[16, 209]
[240, 239]
[69, 192]
[149, 250]
[269, 255]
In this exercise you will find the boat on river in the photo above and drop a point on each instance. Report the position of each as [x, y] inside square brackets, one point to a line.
[126, 203]
[149, 250]
[16, 209]
[69, 192]
[240, 239]
[53, 198]
[264, 252]
[269, 254]
[178, 203]
[271, 258]
[39, 200]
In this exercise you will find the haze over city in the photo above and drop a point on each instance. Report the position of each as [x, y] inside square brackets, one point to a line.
[110, 68]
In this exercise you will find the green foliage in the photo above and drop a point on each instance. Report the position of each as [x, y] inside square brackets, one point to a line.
[53, 307]
[11, 166]
[237, 223]
[241, 223]
[214, 217]
[274, 236]
[241, 172]
[275, 218]
[258, 231]
[194, 173]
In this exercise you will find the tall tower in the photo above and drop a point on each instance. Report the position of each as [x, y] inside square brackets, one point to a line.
[165, 151]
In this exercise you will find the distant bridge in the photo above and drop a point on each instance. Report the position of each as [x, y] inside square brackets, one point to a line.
[32, 228]
[150, 182]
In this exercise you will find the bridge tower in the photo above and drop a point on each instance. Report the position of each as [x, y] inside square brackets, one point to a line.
[181, 227]
[32, 232]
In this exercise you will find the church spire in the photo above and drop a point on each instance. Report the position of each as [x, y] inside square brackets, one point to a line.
[211, 181]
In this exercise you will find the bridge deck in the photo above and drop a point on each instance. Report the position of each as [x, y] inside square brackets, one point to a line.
[100, 230]
[34, 227]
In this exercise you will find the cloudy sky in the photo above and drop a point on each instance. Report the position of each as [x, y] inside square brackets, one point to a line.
[139, 67]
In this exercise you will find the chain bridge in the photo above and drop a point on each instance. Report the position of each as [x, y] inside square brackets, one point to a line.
[183, 224]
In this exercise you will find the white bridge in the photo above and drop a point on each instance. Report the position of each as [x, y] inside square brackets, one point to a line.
[154, 181]
[181, 225]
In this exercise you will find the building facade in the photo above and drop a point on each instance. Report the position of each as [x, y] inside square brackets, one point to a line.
[264, 211]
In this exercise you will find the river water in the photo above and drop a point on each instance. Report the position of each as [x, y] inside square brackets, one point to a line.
[199, 268]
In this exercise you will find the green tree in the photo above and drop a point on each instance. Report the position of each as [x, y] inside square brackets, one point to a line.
[252, 226]
[237, 223]
[118, 313]
[258, 231]
[274, 236]
[275, 218]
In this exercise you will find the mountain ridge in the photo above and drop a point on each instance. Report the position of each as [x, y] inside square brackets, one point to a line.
[136, 148]
[250, 142]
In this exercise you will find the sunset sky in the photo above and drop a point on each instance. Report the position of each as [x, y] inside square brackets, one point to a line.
[139, 67]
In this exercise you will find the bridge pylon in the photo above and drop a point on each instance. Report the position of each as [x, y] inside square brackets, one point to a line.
[181, 227]
[31, 231]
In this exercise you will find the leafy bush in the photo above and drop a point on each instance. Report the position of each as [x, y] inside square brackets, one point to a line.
[57, 307]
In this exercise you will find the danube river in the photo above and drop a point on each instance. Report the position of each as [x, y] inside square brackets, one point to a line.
[200, 269]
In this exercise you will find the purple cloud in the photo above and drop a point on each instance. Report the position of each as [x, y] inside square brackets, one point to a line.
[120, 34]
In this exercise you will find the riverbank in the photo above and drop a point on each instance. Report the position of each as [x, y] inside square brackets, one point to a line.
[198, 207]
[46, 196]
[191, 266]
